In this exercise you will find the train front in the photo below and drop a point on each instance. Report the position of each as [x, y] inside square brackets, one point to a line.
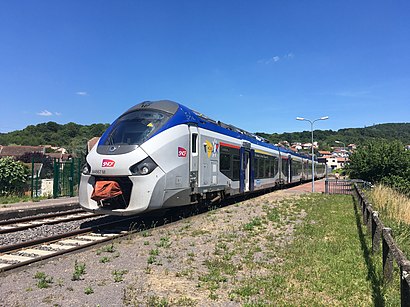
[120, 177]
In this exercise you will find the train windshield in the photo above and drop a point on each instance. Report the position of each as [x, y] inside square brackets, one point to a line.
[135, 128]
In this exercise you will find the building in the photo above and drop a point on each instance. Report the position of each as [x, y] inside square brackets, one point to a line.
[91, 143]
[335, 162]
[18, 151]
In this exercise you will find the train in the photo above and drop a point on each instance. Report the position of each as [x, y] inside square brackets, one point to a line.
[162, 154]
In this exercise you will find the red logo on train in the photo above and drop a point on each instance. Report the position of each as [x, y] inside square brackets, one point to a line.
[181, 152]
[107, 163]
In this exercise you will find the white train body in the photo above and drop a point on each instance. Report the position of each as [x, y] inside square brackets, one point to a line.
[163, 154]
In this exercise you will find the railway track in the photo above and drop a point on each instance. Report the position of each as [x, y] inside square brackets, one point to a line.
[24, 253]
[18, 255]
[44, 219]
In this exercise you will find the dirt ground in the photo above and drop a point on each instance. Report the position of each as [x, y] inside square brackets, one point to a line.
[197, 261]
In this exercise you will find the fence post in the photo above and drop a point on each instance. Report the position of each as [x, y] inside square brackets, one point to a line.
[71, 178]
[37, 174]
[376, 233]
[364, 212]
[326, 186]
[404, 284]
[387, 256]
[369, 217]
[32, 177]
[56, 178]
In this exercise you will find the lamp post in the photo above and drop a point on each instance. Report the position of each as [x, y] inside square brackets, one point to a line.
[313, 154]
[344, 149]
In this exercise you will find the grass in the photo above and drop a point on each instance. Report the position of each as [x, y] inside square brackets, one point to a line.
[119, 275]
[394, 211]
[391, 203]
[256, 222]
[19, 199]
[88, 290]
[324, 265]
[79, 271]
[43, 280]
[164, 242]
[105, 259]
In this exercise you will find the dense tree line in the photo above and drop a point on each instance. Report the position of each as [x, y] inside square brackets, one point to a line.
[382, 162]
[358, 136]
[71, 136]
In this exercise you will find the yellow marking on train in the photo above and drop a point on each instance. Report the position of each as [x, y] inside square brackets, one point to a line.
[263, 152]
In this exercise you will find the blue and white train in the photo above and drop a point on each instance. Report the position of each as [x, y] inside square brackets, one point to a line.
[161, 154]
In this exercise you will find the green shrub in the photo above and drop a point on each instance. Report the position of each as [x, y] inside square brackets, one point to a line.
[13, 176]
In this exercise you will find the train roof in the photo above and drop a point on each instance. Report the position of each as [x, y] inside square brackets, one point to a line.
[184, 115]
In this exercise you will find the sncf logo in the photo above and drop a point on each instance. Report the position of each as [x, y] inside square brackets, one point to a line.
[107, 163]
[181, 152]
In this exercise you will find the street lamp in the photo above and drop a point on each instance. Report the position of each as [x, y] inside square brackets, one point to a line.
[313, 154]
[344, 149]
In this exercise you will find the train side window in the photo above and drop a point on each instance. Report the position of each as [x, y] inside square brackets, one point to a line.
[194, 143]
[225, 164]
[261, 168]
[229, 162]
[236, 167]
[256, 168]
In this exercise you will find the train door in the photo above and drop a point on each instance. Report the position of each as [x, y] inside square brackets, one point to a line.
[285, 169]
[290, 168]
[193, 156]
[252, 170]
[246, 173]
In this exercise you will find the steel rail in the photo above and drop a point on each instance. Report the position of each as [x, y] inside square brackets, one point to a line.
[48, 220]
[39, 217]
[97, 231]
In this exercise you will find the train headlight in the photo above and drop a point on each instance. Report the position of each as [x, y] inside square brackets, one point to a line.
[144, 167]
[86, 169]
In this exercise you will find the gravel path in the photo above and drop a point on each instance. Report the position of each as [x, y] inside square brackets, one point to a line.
[194, 261]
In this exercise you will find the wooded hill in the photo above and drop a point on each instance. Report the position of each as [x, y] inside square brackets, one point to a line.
[358, 136]
[73, 135]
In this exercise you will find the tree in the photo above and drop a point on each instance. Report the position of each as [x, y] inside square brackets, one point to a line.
[13, 176]
[382, 162]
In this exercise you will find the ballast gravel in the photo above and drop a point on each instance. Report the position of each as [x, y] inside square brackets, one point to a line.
[161, 266]
[44, 231]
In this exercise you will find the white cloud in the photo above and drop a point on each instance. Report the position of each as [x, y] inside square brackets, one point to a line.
[276, 59]
[57, 113]
[82, 93]
[353, 93]
[45, 113]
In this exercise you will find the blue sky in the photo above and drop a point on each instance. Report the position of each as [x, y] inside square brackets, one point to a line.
[254, 64]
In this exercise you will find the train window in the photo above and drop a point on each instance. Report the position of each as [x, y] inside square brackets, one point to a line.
[261, 167]
[229, 162]
[256, 168]
[134, 128]
[236, 167]
[285, 167]
[194, 143]
[225, 164]
[267, 169]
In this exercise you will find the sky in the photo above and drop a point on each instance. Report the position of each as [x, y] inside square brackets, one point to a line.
[254, 64]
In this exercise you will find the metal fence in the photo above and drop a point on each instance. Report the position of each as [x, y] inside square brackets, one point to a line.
[343, 186]
[66, 177]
